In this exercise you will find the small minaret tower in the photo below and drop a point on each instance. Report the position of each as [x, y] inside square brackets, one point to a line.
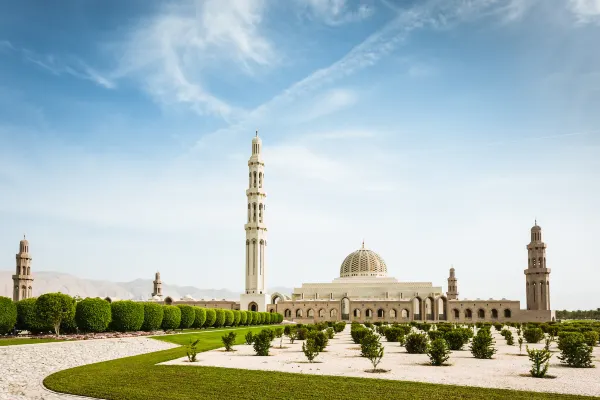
[255, 297]
[537, 275]
[452, 293]
[157, 285]
[23, 280]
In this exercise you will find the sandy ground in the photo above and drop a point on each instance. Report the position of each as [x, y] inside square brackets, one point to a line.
[23, 367]
[342, 358]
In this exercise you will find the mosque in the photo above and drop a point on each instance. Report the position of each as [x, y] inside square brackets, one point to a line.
[363, 292]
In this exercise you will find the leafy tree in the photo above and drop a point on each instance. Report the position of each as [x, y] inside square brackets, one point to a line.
[310, 349]
[417, 343]
[249, 338]
[228, 317]
[540, 360]
[153, 316]
[237, 316]
[483, 345]
[28, 319]
[93, 314]
[372, 349]
[279, 334]
[200, 317]
[456, 339]
[262, 342]
[8, 315]
[220, 320]
[438, 352]
[533, 335]
[192, 350]
[228, 340]
[243, 317]
[575, 352]
[171, 317]
[211, 317]
[54, 308]
[127, 315]
[188, 315]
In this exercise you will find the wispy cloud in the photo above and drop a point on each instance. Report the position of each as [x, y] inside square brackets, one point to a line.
[61, 66]
[336, 12]
[171, 52]
[585, 11]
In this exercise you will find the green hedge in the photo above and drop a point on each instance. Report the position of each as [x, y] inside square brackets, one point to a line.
[200, 317]
[228, 318]
[237, 315]
[153, 316]
[220, 320]
[171, 317]
[188, 315]
[211, 317]
[8, 315]
[27, 318]
[243, 317]
[93, 315]
[54, 308]
[127, 315]
[255, 317]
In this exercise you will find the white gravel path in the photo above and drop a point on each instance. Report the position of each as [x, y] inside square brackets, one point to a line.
[342, 358]
[23, 367]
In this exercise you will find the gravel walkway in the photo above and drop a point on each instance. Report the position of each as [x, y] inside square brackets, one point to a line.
[23, 367]
[507, 370]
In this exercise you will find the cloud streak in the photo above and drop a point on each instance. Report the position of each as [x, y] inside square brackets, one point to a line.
[61, 66]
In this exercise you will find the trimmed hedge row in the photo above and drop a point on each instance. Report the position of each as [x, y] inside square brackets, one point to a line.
[60, 313]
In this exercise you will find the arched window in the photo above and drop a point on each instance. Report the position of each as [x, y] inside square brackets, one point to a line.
[507, 313]
[456, 313]
[287, 313]
[369, 313]
[494, 313]
[534, 289]
[356, 313]
[333, 313]
[260, 179]
[23, 292]
[405, 313]
[481, 313]
[392, 313]
[254, 211]
[322, 313]
[260, 213]
[380, 313]
[254, 179]
[249, 179]
[310, 313]
[468, 313]
[249, 213]
[298, 313]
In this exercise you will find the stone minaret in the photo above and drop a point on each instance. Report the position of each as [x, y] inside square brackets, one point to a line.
[157, 285]
[256, 233]
[23, 280]
[452, 293]
[537, 275]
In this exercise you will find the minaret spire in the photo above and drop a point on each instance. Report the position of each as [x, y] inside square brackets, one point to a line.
[255, 298]
[537, 274]
[22, 279]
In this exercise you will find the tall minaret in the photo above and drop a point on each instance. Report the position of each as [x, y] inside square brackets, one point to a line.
[452, 293]
[537, 275]
[157, 285]
[256, 233]
[23, 280]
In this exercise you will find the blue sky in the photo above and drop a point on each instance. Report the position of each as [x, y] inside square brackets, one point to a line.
[435, 130]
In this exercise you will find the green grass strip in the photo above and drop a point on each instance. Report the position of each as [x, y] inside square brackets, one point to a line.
[139, 378]
[13, 342]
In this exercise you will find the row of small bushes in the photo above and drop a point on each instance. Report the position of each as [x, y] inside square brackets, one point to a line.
[57, 312]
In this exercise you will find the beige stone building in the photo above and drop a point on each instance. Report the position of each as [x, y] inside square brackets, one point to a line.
[364, 291]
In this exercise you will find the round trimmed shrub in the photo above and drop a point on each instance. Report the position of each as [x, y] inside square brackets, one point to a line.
[53, 309]
[263, 317]
[228, 318]
[211, 317]
[417, 343]
[268, 318]
[533, 335]
[8, 315]
[591, 338]
[127, 315]
[27, 318]
[153, 316]
[255, 317]
[243, 317]
[456, 339]
[200, 317]
[237, 315]
[171, 318]
[220, 320]
[92, 315]
[188, 315]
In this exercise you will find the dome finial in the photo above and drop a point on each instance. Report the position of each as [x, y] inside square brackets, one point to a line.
[256, 132]
[363, 244]
[24, 237]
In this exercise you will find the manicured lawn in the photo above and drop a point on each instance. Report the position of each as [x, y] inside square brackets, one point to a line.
[138, 377]
[11, 342]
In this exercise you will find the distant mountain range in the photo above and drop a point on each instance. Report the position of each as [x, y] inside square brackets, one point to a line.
[139, 289]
